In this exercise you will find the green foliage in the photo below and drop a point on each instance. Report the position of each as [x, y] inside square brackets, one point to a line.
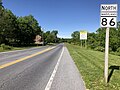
[1, 6]
[8, 27]
[28, 29]
[96, 40]
[51, 37]
[5, 47]
[91, 41]
[75, 36]
[118, 50]
[54, 34]
[21, 31]
[17, 30]
[99, 48]
[91, 66]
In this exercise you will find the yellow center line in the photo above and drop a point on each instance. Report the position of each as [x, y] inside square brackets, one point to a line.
[24, 58]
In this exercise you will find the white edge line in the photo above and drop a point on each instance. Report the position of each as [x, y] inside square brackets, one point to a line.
[48, 86]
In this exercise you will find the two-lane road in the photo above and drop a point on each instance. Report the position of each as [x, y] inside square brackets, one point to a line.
[30, 69]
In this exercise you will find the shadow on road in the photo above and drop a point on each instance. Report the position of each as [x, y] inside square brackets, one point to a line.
[112, 70]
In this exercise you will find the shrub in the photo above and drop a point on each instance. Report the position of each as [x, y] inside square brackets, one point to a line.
[99, 48]
[118, 50]
[6, 47]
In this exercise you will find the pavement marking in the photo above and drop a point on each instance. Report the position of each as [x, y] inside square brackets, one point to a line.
[48, 86]
[27, 57]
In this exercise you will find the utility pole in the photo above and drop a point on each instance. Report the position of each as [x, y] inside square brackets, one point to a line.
[42, 35]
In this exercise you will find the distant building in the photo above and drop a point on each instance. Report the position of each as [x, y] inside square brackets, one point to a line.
[38, 39]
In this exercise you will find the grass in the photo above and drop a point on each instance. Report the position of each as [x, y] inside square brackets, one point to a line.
[91, 66]
[21, 48]
[15, 48]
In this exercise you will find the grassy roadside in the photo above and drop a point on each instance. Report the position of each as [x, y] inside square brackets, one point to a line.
[14, 48]
[91, 66]
[9, 48]
[1, 50]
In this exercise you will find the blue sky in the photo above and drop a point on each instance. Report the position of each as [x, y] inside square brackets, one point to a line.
[66, 16]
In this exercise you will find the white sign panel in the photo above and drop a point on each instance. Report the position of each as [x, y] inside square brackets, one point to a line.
[108, 15]
[83, 35]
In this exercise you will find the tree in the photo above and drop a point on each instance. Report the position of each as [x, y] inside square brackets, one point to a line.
[51, 37]
[1, 9]
[1, 6]
[17, 30]
[114, 39]
[75, 37]
[118, 33]
[91, 41]
[54, 35]
[97, 40]
[100, 37]
[28, 29]
[7, 26]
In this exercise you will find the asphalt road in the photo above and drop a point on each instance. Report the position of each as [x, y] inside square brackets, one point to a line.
[39, 69]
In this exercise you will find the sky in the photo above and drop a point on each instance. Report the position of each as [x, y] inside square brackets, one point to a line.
[66, 16]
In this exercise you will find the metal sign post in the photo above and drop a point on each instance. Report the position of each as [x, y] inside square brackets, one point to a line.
[83, 36]
[108, 20]
[85, 43]
[81, 43]
[106, 55]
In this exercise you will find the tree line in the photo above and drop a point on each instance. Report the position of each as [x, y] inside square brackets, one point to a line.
[96, 40]
[21, 31]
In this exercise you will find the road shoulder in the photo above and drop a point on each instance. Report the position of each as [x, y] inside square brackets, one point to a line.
[67, 76]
